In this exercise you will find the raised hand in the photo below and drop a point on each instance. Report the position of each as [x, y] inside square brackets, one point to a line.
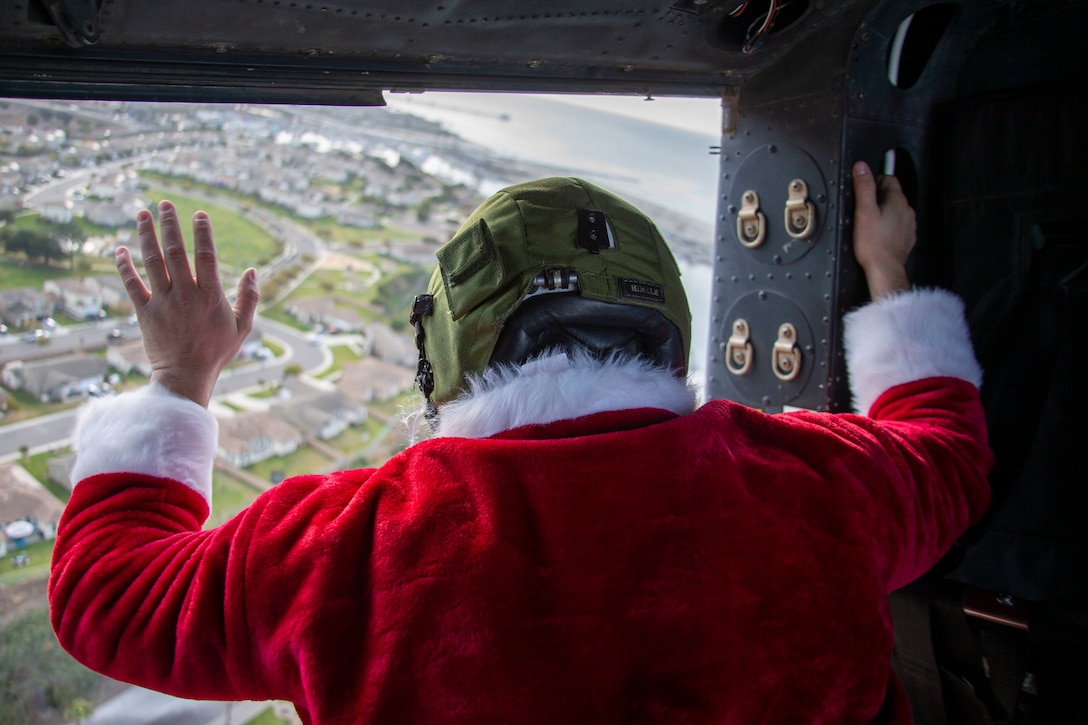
[189, 327]
[884, 231]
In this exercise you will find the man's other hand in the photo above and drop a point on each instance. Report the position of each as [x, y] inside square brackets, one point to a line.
[884, 231]
[190, 330]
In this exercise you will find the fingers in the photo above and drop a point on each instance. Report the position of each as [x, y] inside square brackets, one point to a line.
[173, 244]
[134, 286]
[865, 202]
[154, 265]
[245, 306]
[204, 259]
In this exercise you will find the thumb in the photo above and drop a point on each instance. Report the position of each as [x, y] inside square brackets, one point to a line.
[864, 190]
[245, 304]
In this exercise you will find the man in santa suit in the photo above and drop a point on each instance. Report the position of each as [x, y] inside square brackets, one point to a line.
[578, 541]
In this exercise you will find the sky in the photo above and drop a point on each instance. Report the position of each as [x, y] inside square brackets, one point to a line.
[699, 115]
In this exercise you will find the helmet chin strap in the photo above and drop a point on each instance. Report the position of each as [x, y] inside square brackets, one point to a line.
[422, 306]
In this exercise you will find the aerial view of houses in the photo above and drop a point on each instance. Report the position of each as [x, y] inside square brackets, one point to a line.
[341, 225]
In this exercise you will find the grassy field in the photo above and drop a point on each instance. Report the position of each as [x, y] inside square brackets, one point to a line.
[15, 274]
[329, 230]
[389, 300]
[23, 406]
[38, 467]
[304, 460]
[340, 354]
[40, 553]
[229, 496]
[240, 242]
[268, 717]
[353, 440]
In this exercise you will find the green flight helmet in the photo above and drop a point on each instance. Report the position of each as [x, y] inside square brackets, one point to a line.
[529, 248]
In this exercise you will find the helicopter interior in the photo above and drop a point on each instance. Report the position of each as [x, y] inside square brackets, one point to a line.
[974, 105]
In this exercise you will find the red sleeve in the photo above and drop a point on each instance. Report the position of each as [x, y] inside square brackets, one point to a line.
[910, 478]
[198, 614]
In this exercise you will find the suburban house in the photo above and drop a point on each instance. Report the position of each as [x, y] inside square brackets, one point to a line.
[24, 499]
[357, 218]
[111, 290]
[247, 438]
[392, 346]
[323, 310]
[250, 345]
[373, 379]
[323, 415]
[78, 300]
[57, 211]
[129, 357]
[57, 379]
[117, 212]
[421, 253]
[59, 469]
[24, 306]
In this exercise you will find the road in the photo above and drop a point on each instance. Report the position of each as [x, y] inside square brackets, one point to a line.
[137, 706]
[64, 340]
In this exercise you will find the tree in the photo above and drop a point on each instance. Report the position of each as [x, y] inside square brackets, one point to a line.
[70, 238]
[35, 673]
[78, 709]
[34, 245]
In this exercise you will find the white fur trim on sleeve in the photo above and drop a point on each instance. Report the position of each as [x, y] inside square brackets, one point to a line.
[905, 337]
[149, 431]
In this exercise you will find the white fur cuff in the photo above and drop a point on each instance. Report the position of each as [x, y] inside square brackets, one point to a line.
[149, 431]
[906, 337]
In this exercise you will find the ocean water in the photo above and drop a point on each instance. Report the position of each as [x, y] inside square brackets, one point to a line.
[637, 158]
[633, 157]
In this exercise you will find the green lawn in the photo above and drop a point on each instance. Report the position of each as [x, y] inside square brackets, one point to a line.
[329, 230]
[270, 391]
[38, 467]
[40, 553]
[268, 717]
[14, 274]
[389, 300]
[353, 440]
[277, 313]
[229, 496]
[23, 406]
[340, 354]
[304, 460]
[240, 242]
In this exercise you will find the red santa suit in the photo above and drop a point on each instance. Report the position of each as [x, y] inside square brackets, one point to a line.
[577, 544]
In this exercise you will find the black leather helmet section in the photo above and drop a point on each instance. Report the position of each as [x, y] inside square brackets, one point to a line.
[569, 321]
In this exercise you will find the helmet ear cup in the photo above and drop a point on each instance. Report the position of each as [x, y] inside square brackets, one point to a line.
[569, 322]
